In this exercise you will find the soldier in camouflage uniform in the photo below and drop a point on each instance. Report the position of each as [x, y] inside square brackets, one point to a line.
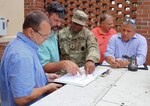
[78, 44]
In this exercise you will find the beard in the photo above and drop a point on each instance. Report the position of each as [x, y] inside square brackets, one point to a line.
[56, 28]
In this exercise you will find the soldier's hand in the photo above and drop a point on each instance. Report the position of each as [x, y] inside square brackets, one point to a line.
[71, 67]
[89, 67]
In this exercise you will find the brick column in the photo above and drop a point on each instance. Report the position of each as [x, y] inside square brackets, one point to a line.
[143, 22]
[30, 5]
[2, 47]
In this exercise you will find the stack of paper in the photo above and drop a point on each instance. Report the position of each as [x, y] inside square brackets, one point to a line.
[82, 80]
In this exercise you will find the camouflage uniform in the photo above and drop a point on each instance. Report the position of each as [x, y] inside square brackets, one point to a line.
[80, 46]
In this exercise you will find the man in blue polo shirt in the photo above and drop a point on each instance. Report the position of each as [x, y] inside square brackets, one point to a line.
[22, 78]
[126, 43]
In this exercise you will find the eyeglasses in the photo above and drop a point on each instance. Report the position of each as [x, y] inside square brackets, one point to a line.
[43, 36]
[131, 21]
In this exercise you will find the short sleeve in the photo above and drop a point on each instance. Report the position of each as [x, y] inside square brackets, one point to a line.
[43, 54]
[93, 49]
[21, 75]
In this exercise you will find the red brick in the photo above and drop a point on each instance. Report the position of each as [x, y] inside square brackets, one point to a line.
[146, 3]
[142, 15]
[145, 19]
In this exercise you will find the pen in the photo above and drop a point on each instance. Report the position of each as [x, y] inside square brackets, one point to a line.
[105, 73]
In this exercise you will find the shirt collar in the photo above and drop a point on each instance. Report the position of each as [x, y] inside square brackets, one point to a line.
[53, 34]
[101, 33]
[27, 40]
[134, 37]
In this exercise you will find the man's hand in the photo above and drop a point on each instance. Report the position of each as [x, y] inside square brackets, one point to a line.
[89, 67]
[36, 93]
[114, 64]
[71, 67]
[112, 61]
[122, 63]
[52, 87]
[52, 76]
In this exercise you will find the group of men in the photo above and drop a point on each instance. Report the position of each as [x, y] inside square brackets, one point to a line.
[42, 48]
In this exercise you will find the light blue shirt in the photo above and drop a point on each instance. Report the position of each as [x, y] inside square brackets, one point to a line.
[137, 46]
[48, 51]
[20, 70]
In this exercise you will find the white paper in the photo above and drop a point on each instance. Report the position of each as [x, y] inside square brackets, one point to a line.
[104, 63]
[82, 80]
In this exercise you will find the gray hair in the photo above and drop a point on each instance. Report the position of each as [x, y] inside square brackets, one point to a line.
[130, 21]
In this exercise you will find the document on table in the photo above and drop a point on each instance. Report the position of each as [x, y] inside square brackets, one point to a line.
[82, 80]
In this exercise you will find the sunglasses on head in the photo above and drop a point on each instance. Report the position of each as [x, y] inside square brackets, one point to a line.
[131, 21]
[56, 8]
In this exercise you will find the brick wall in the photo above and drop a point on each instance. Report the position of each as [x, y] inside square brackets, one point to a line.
[30, 5]
[143, 22]
[119, 8]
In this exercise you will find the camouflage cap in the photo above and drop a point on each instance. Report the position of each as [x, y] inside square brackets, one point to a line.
[79, 17]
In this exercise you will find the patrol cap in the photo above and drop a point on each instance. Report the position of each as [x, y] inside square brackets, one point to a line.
[79, 17]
